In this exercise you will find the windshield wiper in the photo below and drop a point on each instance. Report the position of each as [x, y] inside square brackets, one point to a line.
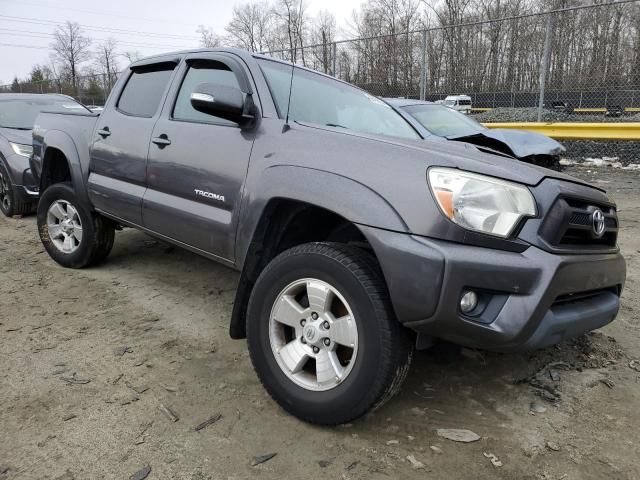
[336, 125]
[16, 128]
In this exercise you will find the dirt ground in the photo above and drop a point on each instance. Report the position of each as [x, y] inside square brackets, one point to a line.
[89, 359]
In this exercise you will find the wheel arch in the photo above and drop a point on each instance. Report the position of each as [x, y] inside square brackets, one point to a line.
[61, 162]
[284, 223]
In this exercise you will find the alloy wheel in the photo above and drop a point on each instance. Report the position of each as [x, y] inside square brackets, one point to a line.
[64, 226]
[313, 334]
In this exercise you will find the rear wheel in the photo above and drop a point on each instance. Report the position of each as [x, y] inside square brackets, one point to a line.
[322, 335]
[72, 235]
[10, 204]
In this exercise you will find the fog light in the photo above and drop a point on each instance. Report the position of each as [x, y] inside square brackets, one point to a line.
[468, 301]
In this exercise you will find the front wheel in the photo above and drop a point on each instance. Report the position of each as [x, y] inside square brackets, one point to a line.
[322, 335]
[73, 236]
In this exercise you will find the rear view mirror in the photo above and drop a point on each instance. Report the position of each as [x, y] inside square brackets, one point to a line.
[224, 102]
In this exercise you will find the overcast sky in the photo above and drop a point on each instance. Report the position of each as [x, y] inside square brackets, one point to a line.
[149, 26]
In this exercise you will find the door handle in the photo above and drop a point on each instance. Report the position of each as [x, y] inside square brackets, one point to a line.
[104, 133]
[162, 141]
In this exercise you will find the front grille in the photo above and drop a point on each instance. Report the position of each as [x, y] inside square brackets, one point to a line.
[570, 225]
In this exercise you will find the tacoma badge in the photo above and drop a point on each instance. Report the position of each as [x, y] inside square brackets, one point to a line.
[213, 196]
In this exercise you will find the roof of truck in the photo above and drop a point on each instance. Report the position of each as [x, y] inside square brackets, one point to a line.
[24, 96]
[406, 102]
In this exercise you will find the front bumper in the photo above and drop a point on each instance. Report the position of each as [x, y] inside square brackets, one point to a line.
[24, 183]
[529, 300]
[27, 193]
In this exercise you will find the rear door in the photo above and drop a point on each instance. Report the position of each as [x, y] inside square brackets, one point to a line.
[198, 162]
[121, 141]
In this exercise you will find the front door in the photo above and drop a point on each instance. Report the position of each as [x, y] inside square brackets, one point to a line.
[198, 163]
[121, 142]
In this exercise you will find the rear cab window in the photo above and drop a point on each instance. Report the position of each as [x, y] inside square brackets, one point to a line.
[144, 91]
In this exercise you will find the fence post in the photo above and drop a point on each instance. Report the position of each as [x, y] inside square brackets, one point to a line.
[334, 55]
[544, 66]
[423, 66]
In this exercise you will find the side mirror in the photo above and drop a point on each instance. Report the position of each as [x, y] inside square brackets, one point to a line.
[224, 102]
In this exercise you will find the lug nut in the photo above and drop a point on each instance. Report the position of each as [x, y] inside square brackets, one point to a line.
[327, 342]
[314, 315]
[302, 322]
[316, 349]
[326, 325]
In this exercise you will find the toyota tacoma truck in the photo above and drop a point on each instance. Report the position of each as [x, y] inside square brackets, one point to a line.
[357, 241]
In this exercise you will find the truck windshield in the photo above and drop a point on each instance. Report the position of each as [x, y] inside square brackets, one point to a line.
[323, 101]
[21, 113]
[443, 121]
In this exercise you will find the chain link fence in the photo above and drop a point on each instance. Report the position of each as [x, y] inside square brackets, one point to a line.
[90, 89]
[576, 64]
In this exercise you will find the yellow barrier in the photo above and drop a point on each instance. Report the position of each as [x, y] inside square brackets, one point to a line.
[603, 110]
[578, 131]
[590, 110]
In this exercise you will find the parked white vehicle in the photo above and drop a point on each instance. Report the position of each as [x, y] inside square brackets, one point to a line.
[461, 103]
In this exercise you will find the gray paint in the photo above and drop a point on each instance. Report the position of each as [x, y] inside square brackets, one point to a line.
[378, 183]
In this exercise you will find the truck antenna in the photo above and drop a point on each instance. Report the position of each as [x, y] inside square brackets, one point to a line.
[286, 121]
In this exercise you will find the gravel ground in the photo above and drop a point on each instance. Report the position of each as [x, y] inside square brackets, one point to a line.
[95, 366]
[548, 115]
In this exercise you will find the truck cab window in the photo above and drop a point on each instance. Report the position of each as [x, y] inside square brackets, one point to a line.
[143, 92]
[324, 101]
[202, 71]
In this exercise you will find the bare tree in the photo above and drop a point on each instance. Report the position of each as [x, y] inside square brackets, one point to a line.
[490, 48]
[132, 56]
[71, 49]
[208, 38]
[251, 26]
[323, 32]
[107, 61]
[292, 15]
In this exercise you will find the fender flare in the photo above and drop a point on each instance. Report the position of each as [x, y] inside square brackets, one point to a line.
[56, 139]
[343, 196]
[350, 199]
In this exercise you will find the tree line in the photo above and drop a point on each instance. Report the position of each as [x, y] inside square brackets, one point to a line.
[77, 66]
[469, 46]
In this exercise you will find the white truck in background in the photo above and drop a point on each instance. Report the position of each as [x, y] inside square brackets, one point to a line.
[461, 103]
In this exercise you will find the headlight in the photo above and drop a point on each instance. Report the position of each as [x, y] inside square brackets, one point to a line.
[20, 149]
[481, 203]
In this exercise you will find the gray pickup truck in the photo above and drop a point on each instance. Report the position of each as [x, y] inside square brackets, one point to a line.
[356, 240]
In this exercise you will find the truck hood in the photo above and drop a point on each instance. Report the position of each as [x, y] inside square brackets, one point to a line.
[16, 136]
[456, 154]
[520, 142]
[473, 158]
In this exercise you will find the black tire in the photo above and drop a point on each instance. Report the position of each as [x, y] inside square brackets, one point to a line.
[10, 204]
[385, 347]
[98, 232]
